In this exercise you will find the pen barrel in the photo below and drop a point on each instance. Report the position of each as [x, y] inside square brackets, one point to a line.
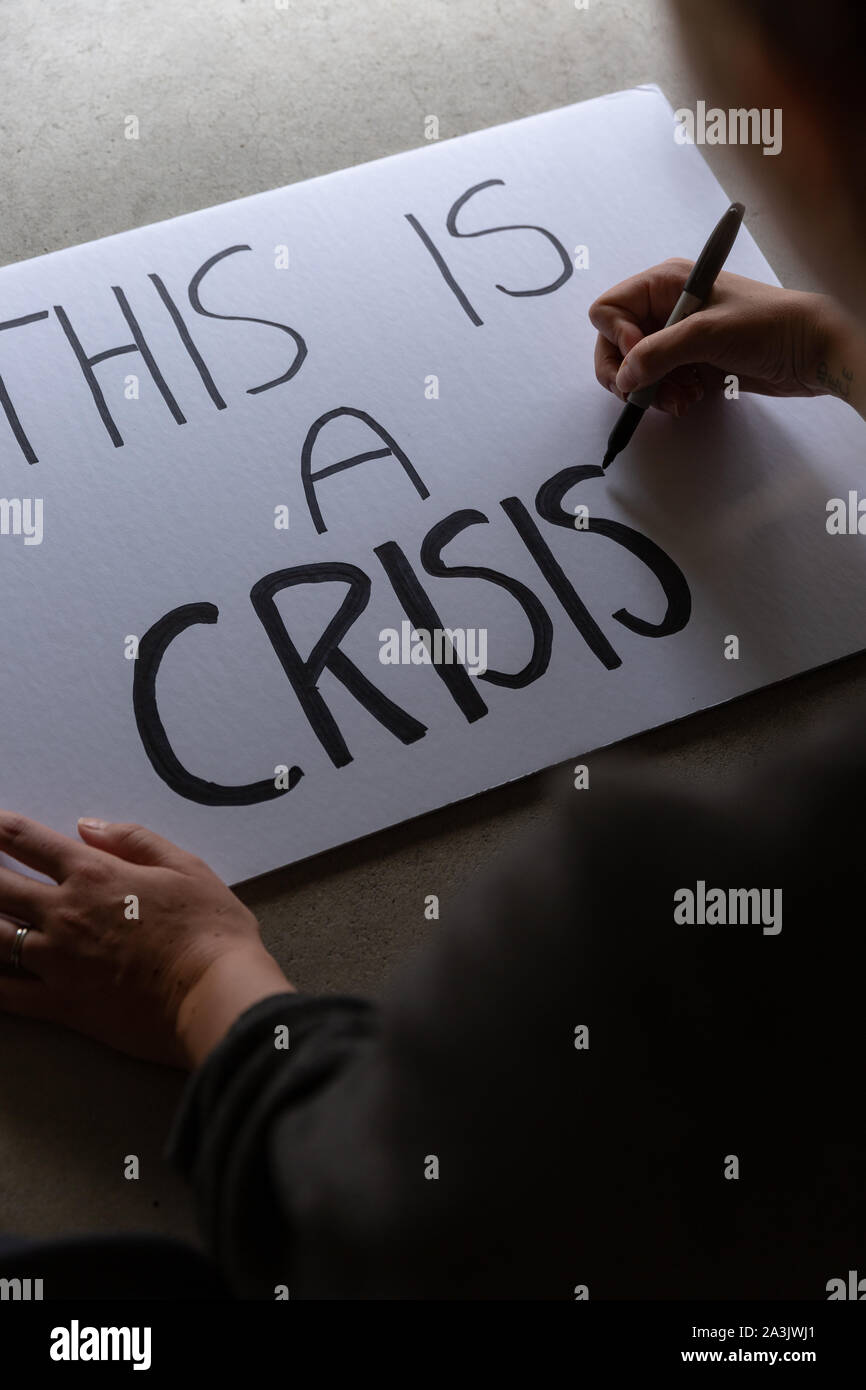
[685, 305]
[706, 268]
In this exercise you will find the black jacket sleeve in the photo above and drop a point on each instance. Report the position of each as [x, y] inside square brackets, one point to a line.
[569, 1088]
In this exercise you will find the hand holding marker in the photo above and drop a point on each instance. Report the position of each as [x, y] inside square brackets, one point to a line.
[695, 293]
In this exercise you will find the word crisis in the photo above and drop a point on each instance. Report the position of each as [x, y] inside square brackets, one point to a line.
[408, 589]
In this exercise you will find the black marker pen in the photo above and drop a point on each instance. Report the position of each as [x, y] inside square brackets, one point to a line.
[695, 293]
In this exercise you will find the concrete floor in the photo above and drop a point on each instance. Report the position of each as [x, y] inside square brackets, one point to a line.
[233, 97]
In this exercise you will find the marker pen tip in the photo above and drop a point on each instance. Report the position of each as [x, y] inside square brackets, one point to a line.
[608, 458]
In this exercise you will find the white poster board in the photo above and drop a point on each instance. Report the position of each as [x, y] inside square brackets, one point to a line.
[192, 509]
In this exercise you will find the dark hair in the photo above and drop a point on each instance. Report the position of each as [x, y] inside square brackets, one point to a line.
[824, 43]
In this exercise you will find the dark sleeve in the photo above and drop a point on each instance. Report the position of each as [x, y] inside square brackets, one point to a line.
[552, 1092]
[278, 1056]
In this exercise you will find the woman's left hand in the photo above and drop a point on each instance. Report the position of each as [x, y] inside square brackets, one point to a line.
[130, 930]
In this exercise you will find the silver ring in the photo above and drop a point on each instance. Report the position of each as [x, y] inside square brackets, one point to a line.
[15, 953]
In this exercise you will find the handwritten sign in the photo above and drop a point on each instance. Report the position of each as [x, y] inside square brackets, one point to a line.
[303, 525]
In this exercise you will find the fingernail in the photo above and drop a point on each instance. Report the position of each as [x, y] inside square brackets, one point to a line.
[90, 824]
[624, 377]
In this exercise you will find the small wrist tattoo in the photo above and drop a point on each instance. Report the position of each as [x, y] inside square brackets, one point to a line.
[838, 385]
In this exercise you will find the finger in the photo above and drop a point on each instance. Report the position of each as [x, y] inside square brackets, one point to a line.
[30, 949]
[716, 378]
[24, 897]
[39, 848]
[683, 344]
[27, 997]
[679, 391]
[640, 304]
[616, 327]
[629, 312]
[689, 378]
[668, 399]
[608, 360]
[134, 843]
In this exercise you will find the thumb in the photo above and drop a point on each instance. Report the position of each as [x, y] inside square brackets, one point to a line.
[132, 842]
[659, 353]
